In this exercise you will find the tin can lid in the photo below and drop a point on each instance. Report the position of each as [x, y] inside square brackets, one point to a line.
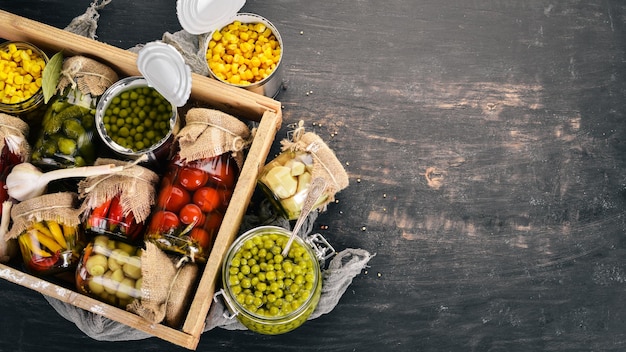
[203, 16]
[165, 70]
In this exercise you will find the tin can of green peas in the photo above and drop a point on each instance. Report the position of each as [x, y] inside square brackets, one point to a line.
[268, 293]
[133, 119]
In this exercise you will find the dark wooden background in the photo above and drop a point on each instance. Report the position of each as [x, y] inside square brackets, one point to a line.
[485, 142]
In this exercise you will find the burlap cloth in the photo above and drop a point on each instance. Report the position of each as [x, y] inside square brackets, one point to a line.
[338, 275]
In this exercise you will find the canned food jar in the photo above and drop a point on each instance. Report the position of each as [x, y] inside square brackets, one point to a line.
[253, 64]
[269, 293]
[24, 65]
[286, 180]
[238, 45]
[66, 138]
[110, 271]
[191, 203]
[109, 219]
[133, 119]
[49, 247]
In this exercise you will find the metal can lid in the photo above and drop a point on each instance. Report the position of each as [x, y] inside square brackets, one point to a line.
[165, 70]
[203, 16]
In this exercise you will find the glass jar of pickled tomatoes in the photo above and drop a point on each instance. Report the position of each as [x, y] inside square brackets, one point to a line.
[191, 202]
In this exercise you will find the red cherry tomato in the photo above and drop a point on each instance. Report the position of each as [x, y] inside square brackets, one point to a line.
[202, 237]
[213, 222]
[191, 213]
[207, 198]
[225, 194]
[173, 198]
[163, 221]
[222, 170]
[192, 178]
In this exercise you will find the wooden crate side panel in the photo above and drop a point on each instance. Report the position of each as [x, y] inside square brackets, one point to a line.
[236, 101]
[263, 140]
[89, 304]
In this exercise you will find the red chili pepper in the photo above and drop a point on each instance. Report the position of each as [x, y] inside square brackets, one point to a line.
[116, 212]
[98, 214]
[39, 264]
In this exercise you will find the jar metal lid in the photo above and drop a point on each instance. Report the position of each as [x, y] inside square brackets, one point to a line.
[165, 70]
[203, 16]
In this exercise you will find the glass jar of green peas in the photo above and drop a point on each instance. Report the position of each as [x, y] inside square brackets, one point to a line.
[268, 293]
[133, 119]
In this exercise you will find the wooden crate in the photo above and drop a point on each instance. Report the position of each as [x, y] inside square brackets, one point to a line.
[236, 101]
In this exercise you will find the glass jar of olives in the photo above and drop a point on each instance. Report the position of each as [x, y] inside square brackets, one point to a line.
[110, 271]
[269, 293]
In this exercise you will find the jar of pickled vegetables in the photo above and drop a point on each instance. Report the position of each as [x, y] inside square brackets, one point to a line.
[198, 185]
[14, 148]
[286, 179]
[244, 50]
[118, 204]
[67, 134]
[191, 202]
[23, 64]
[48, 232]
[269, 293]
[110, 271]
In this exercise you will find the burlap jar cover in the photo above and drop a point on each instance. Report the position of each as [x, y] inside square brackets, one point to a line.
[325, 162]
[13, 135]
[135, 186]
[59, 207]
[87, 75]
[208, 133]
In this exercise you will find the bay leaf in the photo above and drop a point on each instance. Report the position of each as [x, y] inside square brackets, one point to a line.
[50, 76]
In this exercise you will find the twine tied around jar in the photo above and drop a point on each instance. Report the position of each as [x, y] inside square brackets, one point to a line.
[208, 133]
[134, 184]
[57, 207]
[325, 162]
[88, 75]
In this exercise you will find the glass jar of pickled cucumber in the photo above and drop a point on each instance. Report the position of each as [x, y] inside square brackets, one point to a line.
[110, 271]
[286, 180]
[268, 293]
[25, 94]
[66, 137]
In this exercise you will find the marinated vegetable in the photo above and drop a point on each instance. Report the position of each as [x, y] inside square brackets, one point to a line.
[110, 271]
[190, 205]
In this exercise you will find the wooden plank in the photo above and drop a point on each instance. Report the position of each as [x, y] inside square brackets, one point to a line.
[224, 97]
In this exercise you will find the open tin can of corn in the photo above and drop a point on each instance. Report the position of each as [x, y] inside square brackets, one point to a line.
[268, 293]
[241, 49]
[138, 115]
